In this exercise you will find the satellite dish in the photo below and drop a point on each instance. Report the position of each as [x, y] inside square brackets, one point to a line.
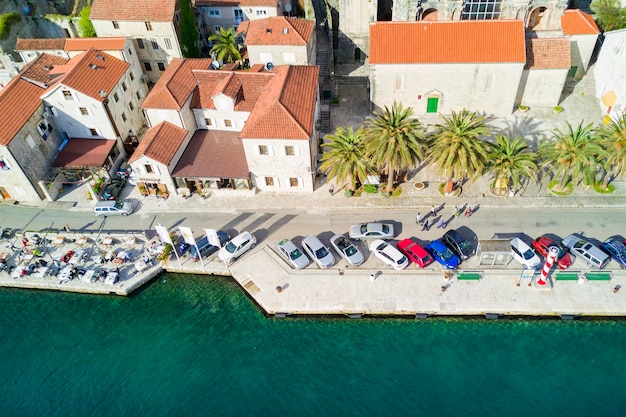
[288, 8]
[269, 66]
[215, 64]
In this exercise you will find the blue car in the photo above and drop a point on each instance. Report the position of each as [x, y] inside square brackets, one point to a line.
[616, 248]
[443, 254]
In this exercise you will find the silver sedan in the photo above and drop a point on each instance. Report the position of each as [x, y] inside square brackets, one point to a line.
[373, 230]
[347, 250]
[293, 254]
[316, 250]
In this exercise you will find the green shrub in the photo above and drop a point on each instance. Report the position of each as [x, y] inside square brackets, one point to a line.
[85, 27]
[165, 255]
[6, 21]
[370, 188]
[348, 193]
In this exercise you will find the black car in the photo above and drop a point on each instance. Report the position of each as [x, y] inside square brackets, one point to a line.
[112, 190]
[458, 244]
[205, 247]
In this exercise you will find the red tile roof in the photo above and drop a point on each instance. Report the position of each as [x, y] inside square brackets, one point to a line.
[175, 85]
[84, 152]
[546, 53]
[279, 31]
[577, 22]
[94, 71]
[468, 41]
[134, 10]
[21, 98]
[45, 70]
[160, 143]
[39, 44]
[244, 85]
[213, 154]
[287, 109]
[234, 3]
[103, 44]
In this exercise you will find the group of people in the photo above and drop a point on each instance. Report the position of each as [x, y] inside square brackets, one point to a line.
[442, 223]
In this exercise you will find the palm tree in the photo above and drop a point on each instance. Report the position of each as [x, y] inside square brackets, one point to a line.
[614, 142]
[457, 147]
[573, 155]
[394, 141]
[344, 158]
[511, 162]
[225, 45]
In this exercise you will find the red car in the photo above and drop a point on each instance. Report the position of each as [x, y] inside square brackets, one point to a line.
[415, 252]
[543, 244]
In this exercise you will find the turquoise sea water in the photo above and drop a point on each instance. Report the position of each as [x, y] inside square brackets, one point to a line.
[196, 346]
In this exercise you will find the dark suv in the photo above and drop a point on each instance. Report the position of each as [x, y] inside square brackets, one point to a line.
[458, 244]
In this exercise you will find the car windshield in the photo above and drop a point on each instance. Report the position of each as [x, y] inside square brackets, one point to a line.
[363, 228]
[382, 246]
[295, 254]
[426, 259]
[230, 247]
[529, 254]
[385, 228]
[579, 244]
[119, 204]
[402, 260]
[321, 253]
[464, 244]
[561, 251]
[350, 250]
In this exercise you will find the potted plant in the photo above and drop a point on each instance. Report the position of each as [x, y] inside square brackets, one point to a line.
[523, 108]
[557, 109]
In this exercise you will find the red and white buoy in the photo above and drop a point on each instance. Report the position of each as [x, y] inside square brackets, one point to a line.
[552, 254]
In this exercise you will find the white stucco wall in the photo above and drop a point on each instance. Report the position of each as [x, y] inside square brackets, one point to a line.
[160, 172]
[260, 54]
[582, 47]
[279, 166]
[489, 88]
[542, 87]
[226, 18]
[610, 72]
[219, 117]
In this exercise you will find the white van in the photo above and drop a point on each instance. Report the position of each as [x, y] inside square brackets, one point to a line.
[113, 208]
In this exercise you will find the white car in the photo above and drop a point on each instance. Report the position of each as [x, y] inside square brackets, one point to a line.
[237, 246]
[389, 254]
[292, 254]
[524, 254]
[316, 250]
[347, 250]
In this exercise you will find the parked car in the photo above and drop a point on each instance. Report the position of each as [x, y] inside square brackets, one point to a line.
[205, 247]
[388, 254]
[443, 254]
[346, 249]
[524, 254]
[458, 244]
[372, 230]
[590, 253]
[415, 253]
[543, 244]
[616, 248]
[113, 208]
[112, 190]
[239, 245]
[318, 252]
[292, 254]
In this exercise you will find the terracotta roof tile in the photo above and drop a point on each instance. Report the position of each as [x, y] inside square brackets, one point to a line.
[134, 10]
[94, 71]
[240, 3]
[279, 31]
[45, 70]
[39, 44]
[577, 22]
[103, 44]
[212, 83]
[160, 143]
[78, 153]
[287, 109]
[213, 154]
[18, 101]
[547, 53]
[466, 41]
[176, 84]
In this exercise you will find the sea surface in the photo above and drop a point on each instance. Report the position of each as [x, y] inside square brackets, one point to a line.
[197, 346]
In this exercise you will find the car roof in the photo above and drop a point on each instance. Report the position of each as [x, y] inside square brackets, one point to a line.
[288, 245]
[454, 235]
[410, 245]
[313, 240]
[241, 237]
[518, 243]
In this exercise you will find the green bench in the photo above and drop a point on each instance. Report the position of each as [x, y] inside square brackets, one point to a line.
[469, 276]
[599, 276]
[567, 276]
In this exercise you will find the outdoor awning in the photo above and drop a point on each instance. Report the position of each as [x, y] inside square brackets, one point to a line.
[84, 152]
[609, 98]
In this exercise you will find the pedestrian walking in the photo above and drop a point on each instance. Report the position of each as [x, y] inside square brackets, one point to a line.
[11, 245]
[442, 224]
[432, 210]
[418, 218]
[468, 212]
[457, 211]
[24, 241]
[425, 225]
[331, 190]
[67, 228]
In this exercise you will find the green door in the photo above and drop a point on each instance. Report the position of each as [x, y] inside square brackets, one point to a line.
[432, 104]
[572, 71]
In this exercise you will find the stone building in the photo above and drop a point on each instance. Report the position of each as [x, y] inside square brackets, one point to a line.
[610, 74]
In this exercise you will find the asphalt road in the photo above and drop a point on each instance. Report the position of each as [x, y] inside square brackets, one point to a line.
[597, 223]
